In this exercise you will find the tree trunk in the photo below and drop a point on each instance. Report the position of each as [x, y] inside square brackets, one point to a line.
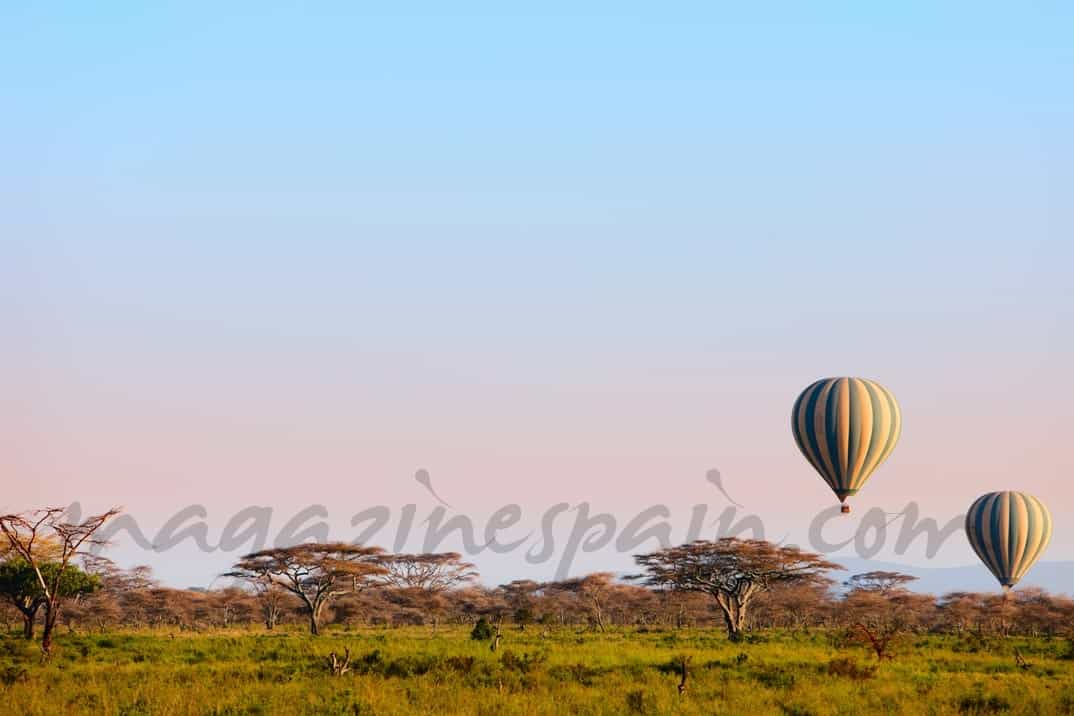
[272, 616]
[51, 612]
[734, 627]
[29, 617]
[313, 606]
[734, 615]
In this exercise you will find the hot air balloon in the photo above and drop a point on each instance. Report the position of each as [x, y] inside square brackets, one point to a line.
[1008, 531]
[846, 427]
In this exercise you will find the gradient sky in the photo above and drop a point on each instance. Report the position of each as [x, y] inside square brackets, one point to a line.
[287, 255]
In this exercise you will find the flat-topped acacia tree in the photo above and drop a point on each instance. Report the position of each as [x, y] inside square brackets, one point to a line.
[884, 583]
[315, 573]
[732, 571]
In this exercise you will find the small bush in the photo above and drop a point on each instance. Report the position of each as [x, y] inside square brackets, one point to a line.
[981, 704]
[795, 710]
[580, 673]
[849, 668]
[461, 664]
[483, 630]
[524, 663]
[775, 677]
[12, 675]
[638, 702]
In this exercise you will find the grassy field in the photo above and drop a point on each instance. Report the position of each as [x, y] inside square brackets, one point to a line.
[406, 671]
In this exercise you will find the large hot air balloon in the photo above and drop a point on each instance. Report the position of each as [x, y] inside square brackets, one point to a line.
[846, 427]
[1008, 531]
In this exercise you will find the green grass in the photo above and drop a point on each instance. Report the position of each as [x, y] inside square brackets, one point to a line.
[407, 671]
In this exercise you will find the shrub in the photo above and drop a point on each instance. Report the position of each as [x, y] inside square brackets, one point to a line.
[12, 675]
[849, 668]
[638, 702]
[795, 710]
[524, 663]
[775, 677]
[461, 664]
[483, 630]
[574, 672]
[980, 704]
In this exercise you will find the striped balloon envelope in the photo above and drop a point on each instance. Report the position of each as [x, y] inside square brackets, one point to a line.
[846, 427]
[1008, 531]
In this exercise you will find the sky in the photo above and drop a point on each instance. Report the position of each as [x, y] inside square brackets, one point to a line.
[281, 256]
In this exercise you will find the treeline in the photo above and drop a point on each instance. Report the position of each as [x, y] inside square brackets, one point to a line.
[47, 574]
[132, 599]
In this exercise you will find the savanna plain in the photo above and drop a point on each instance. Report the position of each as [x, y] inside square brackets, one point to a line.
[533, 671]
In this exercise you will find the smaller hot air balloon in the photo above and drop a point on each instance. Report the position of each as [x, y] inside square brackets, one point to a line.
[845, 428]
[1008, 531]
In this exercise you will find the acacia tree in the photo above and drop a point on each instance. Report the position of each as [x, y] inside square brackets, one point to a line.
[270, 594]
[593, 593]
[424, 578]
[732, 571]
[881, 582]
[520, 596]
[44, 537]
[881, 610]
[315, 573]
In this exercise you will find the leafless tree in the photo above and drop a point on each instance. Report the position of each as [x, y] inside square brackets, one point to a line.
[339, 666]
[27, 535]
[315, 573]
[732, 571]
[684, 671]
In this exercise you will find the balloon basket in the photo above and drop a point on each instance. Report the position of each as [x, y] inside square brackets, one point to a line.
[845, 509]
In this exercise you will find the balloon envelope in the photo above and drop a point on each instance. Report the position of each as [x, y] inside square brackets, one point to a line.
[846, 427]
[1008, 531]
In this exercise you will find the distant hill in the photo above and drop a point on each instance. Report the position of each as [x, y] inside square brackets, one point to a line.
[1056, 577]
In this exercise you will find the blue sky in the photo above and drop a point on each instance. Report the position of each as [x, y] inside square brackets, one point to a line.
[602, 245]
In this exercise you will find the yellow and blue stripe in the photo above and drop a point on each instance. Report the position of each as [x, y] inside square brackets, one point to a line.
[846, 427]
[1009, 531]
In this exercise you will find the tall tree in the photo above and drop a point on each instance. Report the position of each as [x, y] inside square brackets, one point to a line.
[315, 573]
[423, 579]
[732, 571]
[44, 537]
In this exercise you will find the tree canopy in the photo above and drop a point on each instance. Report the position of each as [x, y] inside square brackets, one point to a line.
[732, 571]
